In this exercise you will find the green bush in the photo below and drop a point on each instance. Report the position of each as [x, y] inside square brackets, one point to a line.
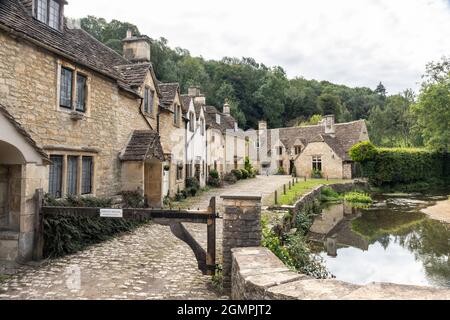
[230, 178]
[78, 202]
[214, 182]
[329, 195]
[245, 174]
[214, 174]
[192, 183]
[249, 167]
[358, 197]
[237, 173]
[363, 151]
[317, 174]
[404, 166]
[69, 234]
[281, 171]
[191, 192]
[132, 199]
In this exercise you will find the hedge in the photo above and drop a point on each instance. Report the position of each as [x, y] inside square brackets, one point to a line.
[69, 234]
[389, 166]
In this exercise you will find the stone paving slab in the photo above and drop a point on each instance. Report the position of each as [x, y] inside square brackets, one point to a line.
[148, 263]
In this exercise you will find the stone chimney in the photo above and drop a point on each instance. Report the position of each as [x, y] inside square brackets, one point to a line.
[136, 48]
[262, 125]
[193, 91]
[199, 99]
[329, 124]
[226, 108]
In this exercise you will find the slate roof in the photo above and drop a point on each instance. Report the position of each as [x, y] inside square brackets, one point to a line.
[24, 133]
[143, 145]
[198, 107]
[168, 92]
[185, 101]
[346, 136]
[73, 44]
[226, 122]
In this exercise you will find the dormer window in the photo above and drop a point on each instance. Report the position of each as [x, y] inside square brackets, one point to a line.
[218, 118]
[49, 12]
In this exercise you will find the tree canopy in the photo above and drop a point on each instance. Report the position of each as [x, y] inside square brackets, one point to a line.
[255, 92]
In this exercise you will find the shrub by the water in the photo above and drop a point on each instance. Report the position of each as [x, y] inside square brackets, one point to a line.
[363, 151]
[391, 166]
[357, 197]
[329, 195]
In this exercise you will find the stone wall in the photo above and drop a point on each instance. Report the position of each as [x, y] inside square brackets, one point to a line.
[241, 228]
[308, 199]
[29, 89]
[332, 165]
[257, 274]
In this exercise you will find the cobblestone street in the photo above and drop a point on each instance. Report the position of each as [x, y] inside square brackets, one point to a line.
[148, 263]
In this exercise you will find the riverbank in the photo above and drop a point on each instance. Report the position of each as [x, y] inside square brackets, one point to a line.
[440, 211]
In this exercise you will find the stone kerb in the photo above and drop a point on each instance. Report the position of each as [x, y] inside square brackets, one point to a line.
[241, 228]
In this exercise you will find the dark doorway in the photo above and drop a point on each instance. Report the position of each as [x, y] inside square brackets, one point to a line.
[291, 167]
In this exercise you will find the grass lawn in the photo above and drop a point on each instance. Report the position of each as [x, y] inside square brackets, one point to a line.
[301, 188]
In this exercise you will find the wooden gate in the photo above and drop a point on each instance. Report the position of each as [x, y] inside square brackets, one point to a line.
[172, 218]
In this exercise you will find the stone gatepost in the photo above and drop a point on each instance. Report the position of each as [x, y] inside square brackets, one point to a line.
[241, 228]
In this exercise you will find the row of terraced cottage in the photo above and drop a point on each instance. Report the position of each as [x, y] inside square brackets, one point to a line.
[76, 118]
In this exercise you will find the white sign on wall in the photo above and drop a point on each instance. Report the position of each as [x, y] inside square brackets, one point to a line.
[111, 213]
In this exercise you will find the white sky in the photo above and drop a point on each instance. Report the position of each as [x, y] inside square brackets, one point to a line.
[352, 42]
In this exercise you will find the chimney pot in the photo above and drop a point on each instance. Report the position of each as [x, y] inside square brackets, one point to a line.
[129, 34]
[329, 123]
[226, 108]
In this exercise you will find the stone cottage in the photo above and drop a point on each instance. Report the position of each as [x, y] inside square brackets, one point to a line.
[76, 117]
[172, 129]
[322, 148]
[196, 156]
[226, 141]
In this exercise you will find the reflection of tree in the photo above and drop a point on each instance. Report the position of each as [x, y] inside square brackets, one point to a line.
[430, 244]
[376, 225]
[428, 240]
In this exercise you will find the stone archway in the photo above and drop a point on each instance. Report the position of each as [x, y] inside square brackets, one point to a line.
[11, 164]
[23, 169]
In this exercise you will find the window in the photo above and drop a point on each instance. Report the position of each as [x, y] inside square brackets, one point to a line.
[202, 126]
[81, 93]
[73, 90]
[148, 101]
[179, 171]
[298, 150]
[175, 115]
[41, 8]
[72, 175]
[86, 175]
[49, 12]
[53, 16]
[280, 151]
[55, 176]
[65, 99]
[317, 163]
[191, 121]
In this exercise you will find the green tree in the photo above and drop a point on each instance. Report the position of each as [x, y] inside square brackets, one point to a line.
[433, 106]
[329, 104]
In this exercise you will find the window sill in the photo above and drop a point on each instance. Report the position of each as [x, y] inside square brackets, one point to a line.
[77, 115]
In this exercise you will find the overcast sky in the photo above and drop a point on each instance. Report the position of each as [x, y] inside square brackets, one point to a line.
[352, 42]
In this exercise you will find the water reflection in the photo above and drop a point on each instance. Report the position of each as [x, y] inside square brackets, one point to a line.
[392, 241]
